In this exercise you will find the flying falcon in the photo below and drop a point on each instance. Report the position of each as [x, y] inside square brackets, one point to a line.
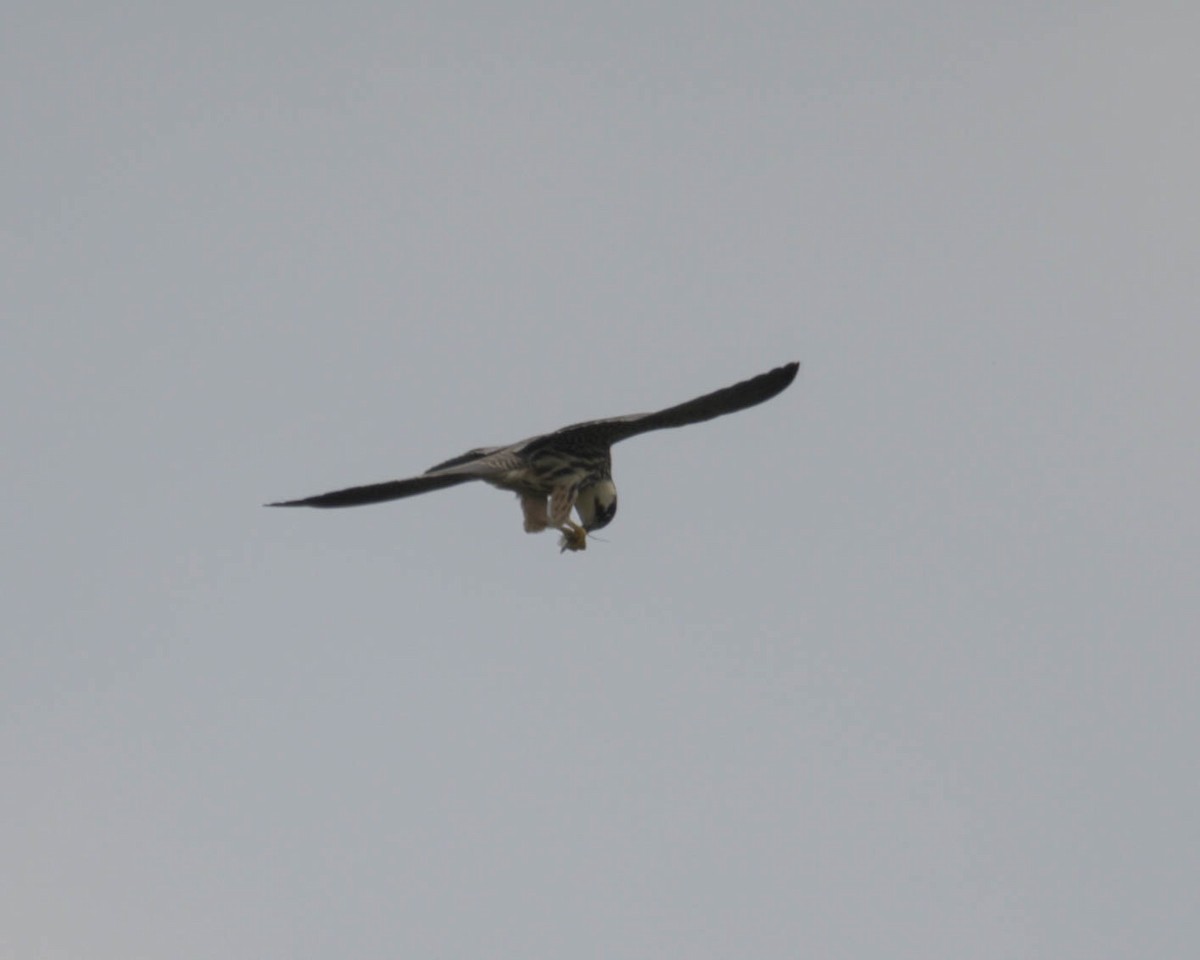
[571, 468]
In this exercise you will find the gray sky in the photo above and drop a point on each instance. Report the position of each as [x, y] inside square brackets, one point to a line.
[901, 664]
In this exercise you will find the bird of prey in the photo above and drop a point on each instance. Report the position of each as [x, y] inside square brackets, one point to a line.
[570, 468]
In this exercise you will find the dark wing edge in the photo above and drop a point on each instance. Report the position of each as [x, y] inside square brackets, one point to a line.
[469, 457]
[376, 492]
[748, 393]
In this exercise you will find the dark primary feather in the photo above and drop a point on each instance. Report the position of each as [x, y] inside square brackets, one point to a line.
[376, 492]
[748, 393]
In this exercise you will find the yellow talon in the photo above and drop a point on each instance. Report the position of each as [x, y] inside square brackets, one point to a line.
[574, 538]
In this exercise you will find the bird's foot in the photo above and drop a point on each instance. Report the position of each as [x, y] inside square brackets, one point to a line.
[573, 538]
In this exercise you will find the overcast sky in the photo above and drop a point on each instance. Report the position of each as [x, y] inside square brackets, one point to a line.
[901, 664]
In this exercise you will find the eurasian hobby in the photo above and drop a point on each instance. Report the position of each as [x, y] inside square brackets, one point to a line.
[571, 467]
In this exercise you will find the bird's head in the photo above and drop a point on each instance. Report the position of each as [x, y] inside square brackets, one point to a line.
[597, 505]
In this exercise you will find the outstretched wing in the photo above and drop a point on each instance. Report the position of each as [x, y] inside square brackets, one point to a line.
[378, 492]
[478, 464]
[597, 435]
[604, 433]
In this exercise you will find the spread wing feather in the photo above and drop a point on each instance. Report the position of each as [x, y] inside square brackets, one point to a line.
[378, 492]
[748, 393]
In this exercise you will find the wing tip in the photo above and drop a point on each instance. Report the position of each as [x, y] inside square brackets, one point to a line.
[782, 377]
[335, 499]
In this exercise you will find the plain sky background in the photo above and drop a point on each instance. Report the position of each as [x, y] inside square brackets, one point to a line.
[902, 664]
